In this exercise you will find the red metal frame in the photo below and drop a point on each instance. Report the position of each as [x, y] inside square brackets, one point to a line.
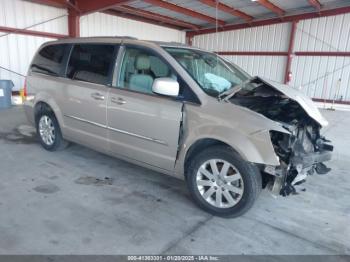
[73, 23]
[252, 53]
[271, 21]
[189, 40]
[159, 19]
[341, 102]
[140, 19]
[54, 3]
[30, 32]
[272, 7]
[316, 4]
[227, 9]
[91, 6]
[185, 11]
[290, 52]
[274, 53]
[322, 53]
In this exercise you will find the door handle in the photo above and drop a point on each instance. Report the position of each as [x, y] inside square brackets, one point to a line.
[119, 100]
[97, 96]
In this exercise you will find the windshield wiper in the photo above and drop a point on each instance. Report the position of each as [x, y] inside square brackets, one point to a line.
[232, 91]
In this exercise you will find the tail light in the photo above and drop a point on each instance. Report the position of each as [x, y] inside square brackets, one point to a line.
[24, 92]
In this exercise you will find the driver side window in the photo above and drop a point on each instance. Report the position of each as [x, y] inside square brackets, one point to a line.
[140, 68]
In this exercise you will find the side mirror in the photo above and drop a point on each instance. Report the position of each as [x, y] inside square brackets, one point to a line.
[165, 86]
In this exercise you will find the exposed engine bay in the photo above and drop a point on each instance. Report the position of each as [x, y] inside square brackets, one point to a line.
[302, 150]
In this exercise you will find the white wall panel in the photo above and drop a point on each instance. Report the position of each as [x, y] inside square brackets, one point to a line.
[324, 34]
[23, 14]
[318, 77]
[100, 24]
[263, 38]
[17, 51]
[271, 67]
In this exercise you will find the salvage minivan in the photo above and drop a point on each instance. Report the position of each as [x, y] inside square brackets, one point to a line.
[180, 111]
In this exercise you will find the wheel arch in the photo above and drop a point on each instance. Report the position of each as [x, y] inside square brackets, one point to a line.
[41, 106]
[199, 145]
[43, 102]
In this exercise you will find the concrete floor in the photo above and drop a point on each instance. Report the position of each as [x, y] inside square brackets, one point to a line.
[51, 203]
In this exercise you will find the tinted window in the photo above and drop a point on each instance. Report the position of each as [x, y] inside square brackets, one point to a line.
[91, 63]
[50, 60]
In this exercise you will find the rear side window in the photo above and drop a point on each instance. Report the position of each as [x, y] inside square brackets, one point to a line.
[50, 60]
[91, 63]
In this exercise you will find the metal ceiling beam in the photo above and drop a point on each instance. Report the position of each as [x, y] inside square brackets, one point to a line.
[11, 30]
[185, 11]
[227, 9]
[272, 7]
[91, 6]
[140, 19]
[70, 4]
[316, 4]
[54, 3]
[271, 21]
[155, 17]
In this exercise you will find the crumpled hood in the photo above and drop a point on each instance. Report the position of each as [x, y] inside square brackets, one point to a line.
[304, 101]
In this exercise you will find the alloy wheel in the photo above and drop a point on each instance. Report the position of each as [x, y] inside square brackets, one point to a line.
[219, 183]
[47, 130]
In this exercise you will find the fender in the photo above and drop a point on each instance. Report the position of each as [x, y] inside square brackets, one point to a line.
[256, 147]
[46, 98]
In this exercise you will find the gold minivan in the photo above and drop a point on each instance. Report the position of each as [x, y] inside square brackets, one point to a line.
[180, 111]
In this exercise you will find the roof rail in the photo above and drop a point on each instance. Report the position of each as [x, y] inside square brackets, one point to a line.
[126, 37]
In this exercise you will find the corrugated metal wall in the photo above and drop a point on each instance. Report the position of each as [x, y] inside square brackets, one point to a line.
[98, 24]
[316, 76]
[323, 77]
[265, 38]
[16, 51]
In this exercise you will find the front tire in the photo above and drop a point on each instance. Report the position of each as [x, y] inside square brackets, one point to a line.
[222, 183]
[49, 131]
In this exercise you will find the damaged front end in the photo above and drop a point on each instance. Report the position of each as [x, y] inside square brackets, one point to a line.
[302, 151]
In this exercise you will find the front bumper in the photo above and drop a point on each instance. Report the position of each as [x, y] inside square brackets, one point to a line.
[296, 172]
[308, 160]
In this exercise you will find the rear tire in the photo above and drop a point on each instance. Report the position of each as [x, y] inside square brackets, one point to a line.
[222, 183]
[49, 131]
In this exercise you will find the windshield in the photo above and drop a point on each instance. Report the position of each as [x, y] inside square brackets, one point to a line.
[213, 74]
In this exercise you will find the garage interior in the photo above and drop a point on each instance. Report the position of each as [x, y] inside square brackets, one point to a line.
[82, 202]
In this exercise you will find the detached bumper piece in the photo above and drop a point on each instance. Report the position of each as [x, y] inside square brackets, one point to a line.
[304, 165]
[307, 160]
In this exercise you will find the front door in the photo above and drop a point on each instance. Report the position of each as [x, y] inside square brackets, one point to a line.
[142, 125]
[85, 93]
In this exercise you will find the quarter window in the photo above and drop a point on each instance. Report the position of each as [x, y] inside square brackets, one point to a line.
[50, 60]
[91, 63]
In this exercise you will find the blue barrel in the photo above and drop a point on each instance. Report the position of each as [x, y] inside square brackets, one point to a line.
[5, 93]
